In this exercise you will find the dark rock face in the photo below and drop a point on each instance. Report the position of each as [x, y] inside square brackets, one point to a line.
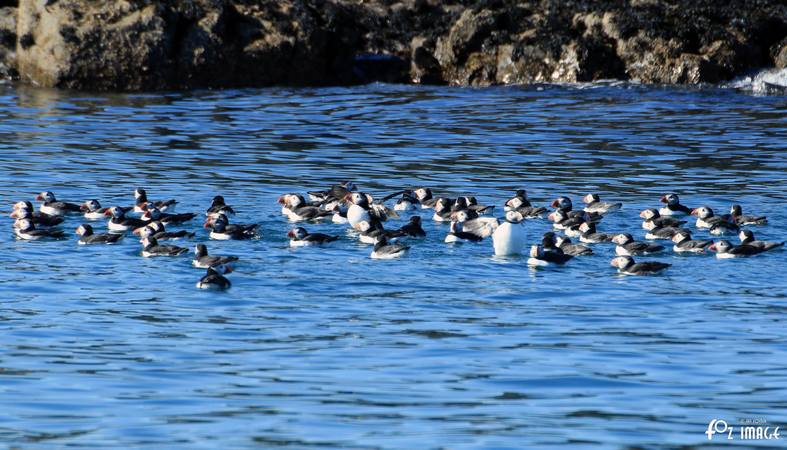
[136, 45]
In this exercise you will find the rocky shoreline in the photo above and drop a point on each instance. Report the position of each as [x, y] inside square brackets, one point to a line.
[150, 45]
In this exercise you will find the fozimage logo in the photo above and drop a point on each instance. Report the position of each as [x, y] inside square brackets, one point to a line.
[748, 430]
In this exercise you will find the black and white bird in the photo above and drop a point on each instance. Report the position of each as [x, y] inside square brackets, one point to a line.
[384, 250]
[457, 235]
[673, 206]
[569, 248]
[747, 238]
[335, 192]
[25, 230]
[626, 265]
[214, 278]
[38, 219]
[141, 200]
[87, 236]
[664, 232]
[593, 204]
[203, 260]
[157, 230]
[627, 246]
[119, 222]
[541, 258]
[153, 213]
[299, 237]
[151, 248]
[219, 206]
[589, 235]
[93, 211]
[737, 215]
[685, 244]
[425, 197]
[53, 207]
[724, 250]
[653, 219]
[413, 228]
[222, 230]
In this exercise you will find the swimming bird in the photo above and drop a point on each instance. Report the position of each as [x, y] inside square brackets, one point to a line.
[627, 265]
[673, 206]
[151, 248]
[93, 211]
[664, 232]
[589, 234]
[519, 200]
[119, 221]
[214, 280]
[706, 218]
[87, 236]
[562, 221]
[38, 219]
[443, 209]
[737, 214]
[685, 244]
[471, 223]
[219, 206]
[747, 238]
[53, 207]
[25, 230]
[337, 192]
[425, 197]
[222, 230]
[157, 230]
[203, 261]
[509, 237]
[540, 258]
[653, 219]
[362, 208]
[456, 234]
[627, 246]
[472, 204]
[152, 213]
[565, 244]
[141, 200]
[565, 205]
[724, 249]
[299, 237]
[413, 228]
[384, 250]
[593, 204]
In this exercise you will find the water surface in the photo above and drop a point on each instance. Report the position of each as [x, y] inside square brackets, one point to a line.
[449, 347]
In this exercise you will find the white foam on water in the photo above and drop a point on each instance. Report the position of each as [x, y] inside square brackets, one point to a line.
[765, 82]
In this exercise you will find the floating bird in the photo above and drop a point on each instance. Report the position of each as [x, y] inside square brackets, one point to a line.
[55, 208]
[541, 258]
[456, 234]
[25, 230]
[425, 197]
[653, 219]
[141, 201]
[509, 237]
[589, 235]
[413, 228]
[151, 248]
[627, 246]
[384, 250]
[299, 237]
[222, 230]
[87, 236]
[593, 204]
[747, 238]
[564, 243]
[685, 244]
[214, 279]
[218, 206]
[38, 219]
[119, 221]
[203, 261]
[627, 265]
[725, 250]
[156, 229]
[673, 206]
[737, 214]
[336, 192]
[664, 232]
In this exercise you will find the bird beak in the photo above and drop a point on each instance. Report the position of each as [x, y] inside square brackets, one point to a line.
[694, 212]
[227, 268]
[713, 247]
[206, 224]
[39, 197]
[555, 203]
[107, 213]
[663, 199]
[291, 234]
[642, 214]
[281, 200]
[14, 215]
[83, 207]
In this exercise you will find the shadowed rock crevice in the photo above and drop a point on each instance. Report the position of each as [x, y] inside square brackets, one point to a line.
[134, 45]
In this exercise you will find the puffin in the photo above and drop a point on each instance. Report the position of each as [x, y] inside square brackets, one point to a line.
[213, 278]
[737, 214]
[685, 244]
[724, 249]
[152, 213]
[87, 236]
[203, 261]
[565, 205]
[471, 223]
[299, 237]
[362, 209]
[93, 211]
[509, 238]
[371, 232]
[673, 206]
[36, 218]
[25, 230]
[222, 230]
[541, 258]
[664, 232]
[472, 204]
[425, 197]
[407, 202]
[151, 248]
[706, 218]
[626, 265]
[443, 209]
[337, 192]
[384, 250]
[627, 246]
[53, 207]
[652, 219]
[519, 200]
[526, 212]
[156, 229]
[219, 206]
[593, 204]
[562, 221]
[747, 238]
[141, 200]
[413, 228]
[119, 221]
[589, 235]
[456, 234]
[564, 243]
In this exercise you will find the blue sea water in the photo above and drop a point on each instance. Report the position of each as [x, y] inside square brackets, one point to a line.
[449, 347]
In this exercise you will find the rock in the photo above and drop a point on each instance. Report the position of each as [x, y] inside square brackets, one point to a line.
[8, 42]
[779, 54]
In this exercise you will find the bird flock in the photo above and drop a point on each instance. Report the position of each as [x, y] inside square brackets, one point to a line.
[467, 220]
